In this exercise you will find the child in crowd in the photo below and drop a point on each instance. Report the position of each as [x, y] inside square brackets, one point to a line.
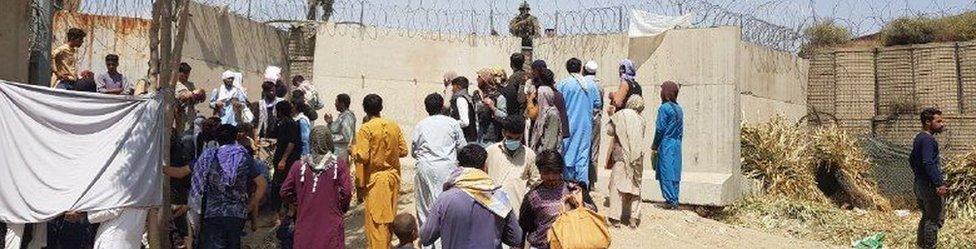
[286, 229]
[405, 228]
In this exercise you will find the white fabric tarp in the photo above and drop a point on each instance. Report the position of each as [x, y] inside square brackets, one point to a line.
[64, 150]
[643, 23]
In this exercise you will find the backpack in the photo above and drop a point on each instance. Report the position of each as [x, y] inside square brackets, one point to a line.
[580, 228]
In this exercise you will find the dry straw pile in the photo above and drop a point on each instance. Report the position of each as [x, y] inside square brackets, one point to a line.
[825, 222]
[785, 159]
[960, 175]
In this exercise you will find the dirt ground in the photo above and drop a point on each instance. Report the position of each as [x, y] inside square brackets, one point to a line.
[659, 228]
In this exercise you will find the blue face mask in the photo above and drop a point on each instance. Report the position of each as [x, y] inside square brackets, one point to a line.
[513, 144]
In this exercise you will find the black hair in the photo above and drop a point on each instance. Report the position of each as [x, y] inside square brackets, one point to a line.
[405, 227]
[574, 65]
[344, 100]
[112, 57]
[297, 94]
[928, 114]
[546, 78]
[268, 86]
[550, 161]
[517, 61]
[514, 124]
[226, 134]
[297, 78]
[75, 34]
[472, 156]
[373, 104]
[461, 81]
[434, 104]
[283, 109]
[185, 68]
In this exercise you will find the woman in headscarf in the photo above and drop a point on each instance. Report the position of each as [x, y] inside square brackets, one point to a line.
[539, 72]
[627, 162]
[493, 105]
[628, 86]
[547, 130]
[667, 143]
[321, 188]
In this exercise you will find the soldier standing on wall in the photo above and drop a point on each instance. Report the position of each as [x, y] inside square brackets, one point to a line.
[525, 26]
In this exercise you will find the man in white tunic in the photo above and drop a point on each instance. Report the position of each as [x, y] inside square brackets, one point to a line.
[120, 228]
[436, 140]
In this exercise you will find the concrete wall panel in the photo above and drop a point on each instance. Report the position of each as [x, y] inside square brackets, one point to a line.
[757, 110]
[14, 50]
[402, 69]
[772, 74]
[606, 50]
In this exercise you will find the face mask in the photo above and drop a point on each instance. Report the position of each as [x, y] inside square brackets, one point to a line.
[513, 144]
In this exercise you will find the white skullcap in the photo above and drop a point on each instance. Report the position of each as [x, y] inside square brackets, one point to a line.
[591, 66]
[228, 75]
[272, 73]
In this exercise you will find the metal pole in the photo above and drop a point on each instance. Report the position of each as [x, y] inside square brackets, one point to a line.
[491, 20]
[39, 71]
[620, 18]
[555, 26]
[362, 11]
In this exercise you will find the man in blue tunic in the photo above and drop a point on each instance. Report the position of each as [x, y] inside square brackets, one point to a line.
[667, 143]
[582, 98]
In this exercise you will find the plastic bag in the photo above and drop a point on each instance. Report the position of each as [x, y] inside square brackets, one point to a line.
[871, 242]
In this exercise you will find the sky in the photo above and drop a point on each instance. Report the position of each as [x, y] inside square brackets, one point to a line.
[862, 16]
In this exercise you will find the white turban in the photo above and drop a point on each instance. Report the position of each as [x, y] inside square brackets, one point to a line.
[591, 66]
[227, 75]
[272, 73]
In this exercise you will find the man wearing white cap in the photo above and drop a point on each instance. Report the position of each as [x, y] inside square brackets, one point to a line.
[227, 98]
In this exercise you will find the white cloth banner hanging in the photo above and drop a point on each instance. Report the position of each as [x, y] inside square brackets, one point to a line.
[75, 151]
[643, 23]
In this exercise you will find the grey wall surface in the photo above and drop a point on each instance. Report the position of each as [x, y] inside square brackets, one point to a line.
[14, 50]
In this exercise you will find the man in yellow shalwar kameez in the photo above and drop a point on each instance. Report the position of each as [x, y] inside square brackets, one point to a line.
[377, 150]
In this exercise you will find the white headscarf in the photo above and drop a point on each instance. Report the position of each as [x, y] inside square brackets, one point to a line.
[225, 93]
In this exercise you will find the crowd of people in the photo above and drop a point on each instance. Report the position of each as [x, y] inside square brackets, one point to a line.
[495, 166]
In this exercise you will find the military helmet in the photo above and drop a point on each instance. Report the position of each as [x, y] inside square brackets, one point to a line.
[525, 6]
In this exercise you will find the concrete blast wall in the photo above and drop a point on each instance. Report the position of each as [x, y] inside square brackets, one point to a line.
[14, 50]
[216, 41]
[402, 69]
[724, 82]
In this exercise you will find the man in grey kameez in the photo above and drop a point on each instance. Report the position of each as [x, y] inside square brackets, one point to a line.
[344, 126]
[435, 143]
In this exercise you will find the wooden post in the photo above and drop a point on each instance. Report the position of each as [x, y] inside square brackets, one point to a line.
[183, 16]
[161, 44]
[152, 74]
